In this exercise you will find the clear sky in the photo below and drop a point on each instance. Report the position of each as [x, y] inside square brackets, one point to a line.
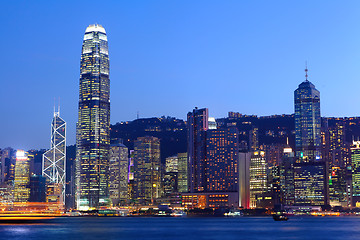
[166, 57]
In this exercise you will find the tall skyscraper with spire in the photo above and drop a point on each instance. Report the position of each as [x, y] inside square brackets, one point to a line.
[93, 127]
[307, 122]
[54, 160]
[310, 170]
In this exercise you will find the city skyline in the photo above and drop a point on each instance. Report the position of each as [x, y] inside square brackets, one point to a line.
[204, 51]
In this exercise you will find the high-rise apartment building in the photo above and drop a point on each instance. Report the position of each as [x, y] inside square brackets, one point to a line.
[307, 122]
[198, 123]
[147, 169]
[118, 176]
[93, 140]
[54, 160]
[22, 176]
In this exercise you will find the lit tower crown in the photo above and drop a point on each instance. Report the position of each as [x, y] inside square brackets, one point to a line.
[93, 125]
[54, 159]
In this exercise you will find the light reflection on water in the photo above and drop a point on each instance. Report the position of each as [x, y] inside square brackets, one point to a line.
[187, 228]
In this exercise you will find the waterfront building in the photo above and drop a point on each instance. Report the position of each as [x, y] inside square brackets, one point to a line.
[171, 175]
[310, 171]
[310, 183]
[22, 176]
[222, 160]
[197, 124]
[54, 160]
[147, 169]
[182, 173]
[93, 140]
[244, 179]
[131, 175]
[258, 176]
[119, 167]
[307, 122]
[287, 176]
[355, 160]
[37, 188]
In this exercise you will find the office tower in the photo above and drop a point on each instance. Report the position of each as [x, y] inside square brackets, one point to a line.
[171, 175]
[131, 175]
[197, 124]
[287, 176]
[338, 150]
[182, 172]
[54, 160]
[307, 122]
[338, 187]
[258, 177]
[222, 149]
[147, 169]
[37, 188]
[310, 185]
[8, 161]
[119, 167]
[244, 179]
[93, 125]
[22, 176]
[355, 161]
[310, 172]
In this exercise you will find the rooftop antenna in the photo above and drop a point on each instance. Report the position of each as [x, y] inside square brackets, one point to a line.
[306, 71]
[137, 115]
[59, 108]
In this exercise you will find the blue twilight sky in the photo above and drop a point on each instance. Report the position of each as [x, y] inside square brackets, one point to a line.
[167, 57]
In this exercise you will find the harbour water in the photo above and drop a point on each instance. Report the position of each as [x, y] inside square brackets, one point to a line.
[186, 228]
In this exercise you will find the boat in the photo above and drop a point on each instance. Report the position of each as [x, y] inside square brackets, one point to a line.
[280, 216]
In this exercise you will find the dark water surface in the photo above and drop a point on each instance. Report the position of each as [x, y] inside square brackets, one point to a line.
[187, 228]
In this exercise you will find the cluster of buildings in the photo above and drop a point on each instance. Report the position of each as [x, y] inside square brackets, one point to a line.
[220, 169]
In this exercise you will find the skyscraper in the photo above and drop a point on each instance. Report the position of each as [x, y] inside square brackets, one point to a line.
[197, 122]
[93, 125]
[222, 160]
[310, 171]
[22, 176]
[355, 160]
[258, 176]
[307, 122]
[182, 172]
[147, 169]
[54, 160]
[118, 176]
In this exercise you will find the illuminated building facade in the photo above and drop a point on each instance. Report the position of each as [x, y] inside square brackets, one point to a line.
[258, 176]
[197, 122]
[182, 172]
[310, 183]
[54, 160]
[22, 176]
[119, 167]
[287, 177]
[244, 179]
[171, 175]
[307, 122]
[355, 160]
[222, 160]
[147, 169]
[93, 125]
